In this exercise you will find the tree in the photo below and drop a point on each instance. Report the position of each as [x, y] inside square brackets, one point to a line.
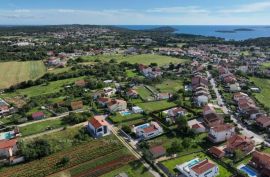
[63, 162]
[238, 155]
[182, 124]
[186, 142]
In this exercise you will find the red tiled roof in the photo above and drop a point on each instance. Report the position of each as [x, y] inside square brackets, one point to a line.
[149, 129]
[222, 127]
[216, 151]
[158, 150]
[37, 114]
[76, 105]
[104, 99]
[7, 143]
[197, 125]
[97, 122]
[203, 166]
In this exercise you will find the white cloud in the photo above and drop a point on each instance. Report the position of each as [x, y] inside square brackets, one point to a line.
[180, 9]
[249, 8]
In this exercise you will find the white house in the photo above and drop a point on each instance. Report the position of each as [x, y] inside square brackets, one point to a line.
[148, 130]
[235, 87]
[198, 128]
[108, 91]
[202, 100]
[8, 148]
[137, 109]
[221, 133]
[117, 105]
[98, 126]
[178, 111]
[197, 168]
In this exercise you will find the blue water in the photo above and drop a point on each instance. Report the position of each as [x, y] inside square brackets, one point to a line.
[248, 171]
[143, 126]
[193, 162]
[126, 113]
[6, 135]
[258, 31]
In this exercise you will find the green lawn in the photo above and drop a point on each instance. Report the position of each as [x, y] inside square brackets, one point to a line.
[264, 96]
[132, 170]
[167, 140]
[141, 59]
[265, 65]
[156, 105]
[59, 70]
[52, 87]
[132, 73]
[39, 127]
[170, 86]
[144, 93]
[15, 72]
[170, 164]
[119, 118]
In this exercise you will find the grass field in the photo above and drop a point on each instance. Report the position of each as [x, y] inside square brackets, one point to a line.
[264, 96]
[144, 93]
[52, 87]
[119, 118]
[265, 65]
[156, 105]
[170, 86]
[41, 127]
[141, 59]
[170, 164]
[15, 72]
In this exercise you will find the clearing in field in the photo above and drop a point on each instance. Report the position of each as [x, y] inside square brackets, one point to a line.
[15, 72]
[170, 86]
[264, 96]
[51, 87]
[145, 59]
[156, 105]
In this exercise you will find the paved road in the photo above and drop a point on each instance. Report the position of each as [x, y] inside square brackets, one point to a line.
[133, 150]
[50, 118]
[257, 138]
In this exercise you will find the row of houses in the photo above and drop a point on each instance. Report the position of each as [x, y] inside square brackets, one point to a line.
[200, 90]
[151, 72]
[113, 105]
[229, 79]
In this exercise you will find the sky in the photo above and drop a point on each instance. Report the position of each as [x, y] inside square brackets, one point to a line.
[135, 12]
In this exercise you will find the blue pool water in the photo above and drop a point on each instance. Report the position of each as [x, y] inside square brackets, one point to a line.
[143, 126]
[193, 162]
[125, 113]
[249, 171]
[6, 135]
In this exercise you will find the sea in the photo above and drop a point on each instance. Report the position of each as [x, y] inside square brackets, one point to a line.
[226, 32]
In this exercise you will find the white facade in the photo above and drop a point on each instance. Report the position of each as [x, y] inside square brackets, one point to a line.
[137, 109]
[189, 168]
[235, 87]
[218, 136]
[98, 127]
[202, 100]
[148, 130]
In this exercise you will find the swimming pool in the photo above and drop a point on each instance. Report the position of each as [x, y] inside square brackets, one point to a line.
[250, 172]
[193, 162]
[143, 126]
[125, 113]
[6, 135]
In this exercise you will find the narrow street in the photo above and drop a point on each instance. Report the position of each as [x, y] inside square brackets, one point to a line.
[133, 150]
[257, 138]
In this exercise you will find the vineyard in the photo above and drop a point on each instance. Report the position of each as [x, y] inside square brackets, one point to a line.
[96, 153]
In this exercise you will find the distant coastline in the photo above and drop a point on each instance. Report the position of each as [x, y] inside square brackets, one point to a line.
[235, 30]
